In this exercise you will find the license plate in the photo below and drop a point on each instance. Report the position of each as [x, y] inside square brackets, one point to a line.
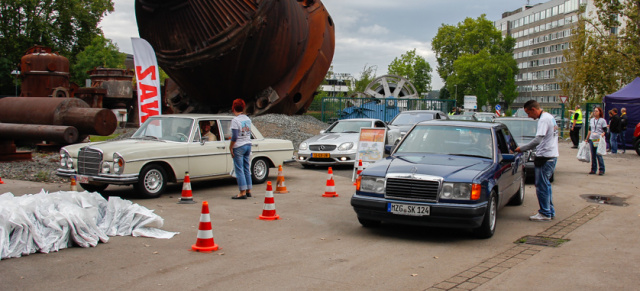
[408, 209]
[82, 179]
[317, 155]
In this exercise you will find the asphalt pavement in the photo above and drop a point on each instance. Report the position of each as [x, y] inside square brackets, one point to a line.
[318, 244]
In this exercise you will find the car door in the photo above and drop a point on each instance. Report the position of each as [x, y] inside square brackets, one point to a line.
[506, 169]
[208, 158]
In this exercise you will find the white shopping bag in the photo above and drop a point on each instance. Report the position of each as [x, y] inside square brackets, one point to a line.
[602, 147]
[584, 152]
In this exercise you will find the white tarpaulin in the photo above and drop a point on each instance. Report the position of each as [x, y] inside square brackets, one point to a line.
[47, 222]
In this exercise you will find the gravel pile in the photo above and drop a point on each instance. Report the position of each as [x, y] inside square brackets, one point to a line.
[44, 164]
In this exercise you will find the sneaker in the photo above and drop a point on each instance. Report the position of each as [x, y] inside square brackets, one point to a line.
[539, 217]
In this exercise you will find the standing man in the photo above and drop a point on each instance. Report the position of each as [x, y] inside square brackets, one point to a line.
[623, 129]
[546, 144]
[576, 126]
[614, 129]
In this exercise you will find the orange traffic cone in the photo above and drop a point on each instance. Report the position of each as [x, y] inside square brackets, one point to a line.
[358, 170]
[331, 186]
[269, 209]
[280, 187]
[1, 181]
[187, 197]
[73, 187]
[205, 242]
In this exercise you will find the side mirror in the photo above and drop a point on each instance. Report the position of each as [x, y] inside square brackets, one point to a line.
[389, 148]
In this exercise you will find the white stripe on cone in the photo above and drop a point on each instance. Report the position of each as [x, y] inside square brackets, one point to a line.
[204, 234]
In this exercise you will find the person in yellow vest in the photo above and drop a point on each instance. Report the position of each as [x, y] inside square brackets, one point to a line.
[576, 126]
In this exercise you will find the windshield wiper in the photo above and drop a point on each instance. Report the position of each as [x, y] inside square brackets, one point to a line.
[350, 131]
[467, 155]
[152, 137]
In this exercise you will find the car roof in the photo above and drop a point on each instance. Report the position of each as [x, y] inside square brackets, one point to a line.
[360, 119]
[514, 118]
[462, 123]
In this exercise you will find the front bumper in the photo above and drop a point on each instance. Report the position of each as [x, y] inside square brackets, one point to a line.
[105, 178]
[447, 215]
[333, 159]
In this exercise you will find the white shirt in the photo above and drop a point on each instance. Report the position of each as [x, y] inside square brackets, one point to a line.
[243, 124]
[597, 128]
[547, 128]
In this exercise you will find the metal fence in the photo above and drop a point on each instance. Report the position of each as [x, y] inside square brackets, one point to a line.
[385, 109]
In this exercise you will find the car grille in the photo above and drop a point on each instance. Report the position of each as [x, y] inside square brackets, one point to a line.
[89, 161]
[412, 189]
[322, 148]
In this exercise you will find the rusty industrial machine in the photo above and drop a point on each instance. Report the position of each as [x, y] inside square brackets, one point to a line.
[272, 53]
[44, 73]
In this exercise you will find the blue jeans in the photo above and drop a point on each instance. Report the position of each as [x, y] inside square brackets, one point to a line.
[543, 187]
[242, 165]
[596, 159]
[613, 139]
[623, 144]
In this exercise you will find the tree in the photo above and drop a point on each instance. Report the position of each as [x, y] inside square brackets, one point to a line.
[65, 26]
[414, 68]
[473, 58]
[100, 53]
[604, 54]
[367, 76]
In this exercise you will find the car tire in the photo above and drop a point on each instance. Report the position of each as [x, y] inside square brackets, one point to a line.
[368, 222]
[94, 187]
[152, 181]
[518, 199]
[259, 171]
[636, 146]
[488, 227]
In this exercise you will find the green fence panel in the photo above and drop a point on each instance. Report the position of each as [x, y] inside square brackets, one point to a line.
[385, 109]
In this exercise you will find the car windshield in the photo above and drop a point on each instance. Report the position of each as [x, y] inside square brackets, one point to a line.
[461, 117]
[448, 140]
[165, 129]
[411, 118]
[345, 126]
[521, 129]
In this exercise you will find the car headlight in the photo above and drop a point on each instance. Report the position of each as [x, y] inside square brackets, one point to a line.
[303, 146]
[65, 159]
[460, 191]
[118, 163]
[345, 146]
[372, 184]
[105, 167]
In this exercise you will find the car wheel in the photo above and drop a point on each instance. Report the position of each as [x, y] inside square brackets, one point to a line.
[368, 222]
[152, 181]
[94, 187]
[259, 171]
[488, 226]
[636, 146]
[519, 197]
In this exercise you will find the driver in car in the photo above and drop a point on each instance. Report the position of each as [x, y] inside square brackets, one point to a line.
[205, 127]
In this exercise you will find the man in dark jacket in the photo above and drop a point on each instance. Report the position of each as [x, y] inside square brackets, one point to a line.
[623, 129]
[614, 128]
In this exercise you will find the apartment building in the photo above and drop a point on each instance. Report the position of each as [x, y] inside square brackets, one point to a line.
[542, 32]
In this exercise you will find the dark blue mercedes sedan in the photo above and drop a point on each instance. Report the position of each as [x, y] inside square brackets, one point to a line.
[444, 174]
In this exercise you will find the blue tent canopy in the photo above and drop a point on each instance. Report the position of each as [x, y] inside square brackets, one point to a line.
[629, 98]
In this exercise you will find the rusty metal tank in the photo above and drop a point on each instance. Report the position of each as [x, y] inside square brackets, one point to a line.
[272, 53]
[44, 73]
[117, 82]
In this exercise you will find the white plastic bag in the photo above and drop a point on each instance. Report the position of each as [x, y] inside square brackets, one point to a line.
[602, 147]
[584, 152]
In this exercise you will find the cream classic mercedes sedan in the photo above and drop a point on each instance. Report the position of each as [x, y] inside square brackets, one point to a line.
[163, 149]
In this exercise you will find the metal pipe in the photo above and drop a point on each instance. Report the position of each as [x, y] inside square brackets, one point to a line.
[54, 133]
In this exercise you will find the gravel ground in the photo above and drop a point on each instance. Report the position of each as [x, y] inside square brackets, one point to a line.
[44, 164]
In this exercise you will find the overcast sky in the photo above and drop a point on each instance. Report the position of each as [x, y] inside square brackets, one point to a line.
[368, 32]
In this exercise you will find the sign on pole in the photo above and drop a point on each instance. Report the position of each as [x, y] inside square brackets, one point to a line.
[498, 109]
[563, 99]
[370, 147]
[148, 79]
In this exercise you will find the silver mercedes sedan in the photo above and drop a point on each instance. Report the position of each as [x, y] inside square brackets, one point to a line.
[338, 144]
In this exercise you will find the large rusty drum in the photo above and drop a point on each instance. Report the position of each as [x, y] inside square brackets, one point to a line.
[44, 73]
[272, 53]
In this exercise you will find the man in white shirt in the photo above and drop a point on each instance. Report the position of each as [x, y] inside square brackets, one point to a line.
[546, 144]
